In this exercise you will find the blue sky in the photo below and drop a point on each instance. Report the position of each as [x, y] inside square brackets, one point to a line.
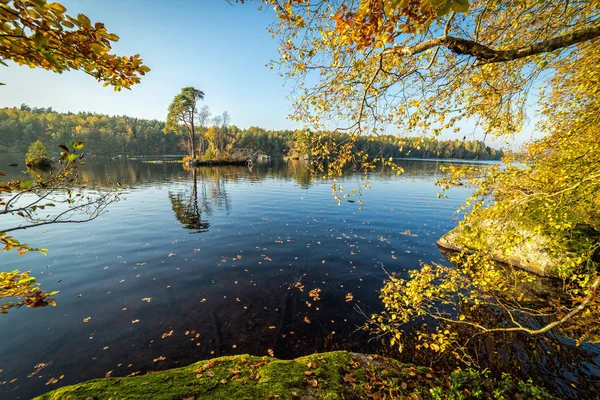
[210, 44]
[217, 47]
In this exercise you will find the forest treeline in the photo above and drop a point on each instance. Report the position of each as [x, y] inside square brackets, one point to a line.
[113, 135]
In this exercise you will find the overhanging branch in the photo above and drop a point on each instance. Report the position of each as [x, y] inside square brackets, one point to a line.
[487, 55]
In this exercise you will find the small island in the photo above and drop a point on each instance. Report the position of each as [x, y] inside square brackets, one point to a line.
[37, 156]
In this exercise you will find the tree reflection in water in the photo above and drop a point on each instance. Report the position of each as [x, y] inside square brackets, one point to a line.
[186, 208]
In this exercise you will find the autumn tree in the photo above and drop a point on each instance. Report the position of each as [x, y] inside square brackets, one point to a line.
[39, 34]
[187, 118]
[369, 67]
[37, 155]
[218, 136]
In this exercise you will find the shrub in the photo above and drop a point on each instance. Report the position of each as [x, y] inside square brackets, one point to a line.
[37, 155]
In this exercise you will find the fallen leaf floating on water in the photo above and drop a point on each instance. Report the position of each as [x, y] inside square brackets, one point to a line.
[307, 320]
[37, 370]
[165, 335]
[314, 294]
[148, 299]
[87, 319]
[161, 358]
[51, 381]
[349, 297]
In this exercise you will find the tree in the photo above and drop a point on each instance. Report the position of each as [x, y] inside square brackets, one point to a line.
[218, 136]
[186, 118]
[37, 155]
[423, 66]
[38, 34]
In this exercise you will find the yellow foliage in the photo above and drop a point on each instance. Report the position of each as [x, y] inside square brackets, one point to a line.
[38, 34]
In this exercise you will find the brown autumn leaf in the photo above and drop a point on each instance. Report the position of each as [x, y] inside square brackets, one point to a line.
[52, 381]
[350, 378]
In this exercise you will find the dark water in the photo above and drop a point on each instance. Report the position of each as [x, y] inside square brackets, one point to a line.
[188, 266]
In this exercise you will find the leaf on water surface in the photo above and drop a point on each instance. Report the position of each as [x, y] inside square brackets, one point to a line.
[51, 381]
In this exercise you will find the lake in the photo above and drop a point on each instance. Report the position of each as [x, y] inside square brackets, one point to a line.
[193, 265]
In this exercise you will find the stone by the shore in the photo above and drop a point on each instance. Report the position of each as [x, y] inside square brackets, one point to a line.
[531, 254]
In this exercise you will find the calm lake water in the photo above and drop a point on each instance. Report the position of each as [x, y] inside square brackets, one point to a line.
[191, 266]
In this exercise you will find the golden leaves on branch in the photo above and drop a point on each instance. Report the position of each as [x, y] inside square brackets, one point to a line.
[38, 34]
[20, 285]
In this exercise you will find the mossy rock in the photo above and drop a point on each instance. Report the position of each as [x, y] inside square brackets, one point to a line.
[531, 254]
[334, 375]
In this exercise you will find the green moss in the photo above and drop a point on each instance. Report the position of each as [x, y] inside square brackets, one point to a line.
[330, 376]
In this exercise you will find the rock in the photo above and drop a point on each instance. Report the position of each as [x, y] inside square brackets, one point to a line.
[532, 254]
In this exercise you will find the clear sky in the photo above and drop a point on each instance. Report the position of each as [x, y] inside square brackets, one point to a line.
[212, 45]
[219, 48]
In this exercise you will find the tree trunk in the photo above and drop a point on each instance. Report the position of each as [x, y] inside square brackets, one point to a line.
[193, 146]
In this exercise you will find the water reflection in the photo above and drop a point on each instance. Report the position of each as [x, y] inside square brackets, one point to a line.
[270, 235]
[186, 208]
